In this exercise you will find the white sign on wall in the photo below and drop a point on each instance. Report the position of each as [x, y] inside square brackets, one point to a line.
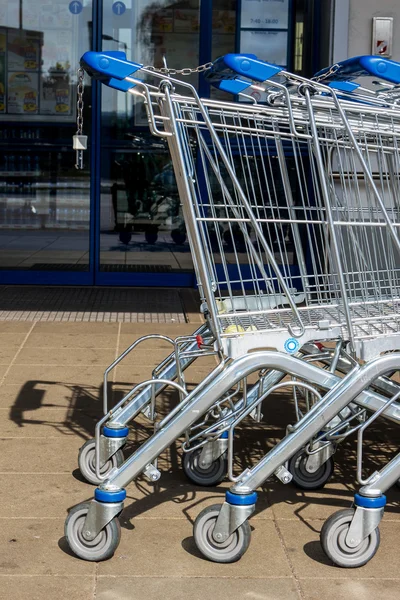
[260, 21]
[265, 14]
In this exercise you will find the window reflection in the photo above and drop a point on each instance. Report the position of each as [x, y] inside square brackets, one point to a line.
[44, 201]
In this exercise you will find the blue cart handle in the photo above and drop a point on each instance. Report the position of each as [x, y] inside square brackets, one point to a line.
[246, 65]
[110, 68]
[361, 66]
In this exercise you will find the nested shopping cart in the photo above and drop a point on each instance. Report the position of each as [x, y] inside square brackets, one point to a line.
[312, 256]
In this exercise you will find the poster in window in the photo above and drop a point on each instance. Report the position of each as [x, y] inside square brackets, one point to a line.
[56, 93]
[57, 50]
[186, 20]
[265, 14]
[23, 93]
[23, 50]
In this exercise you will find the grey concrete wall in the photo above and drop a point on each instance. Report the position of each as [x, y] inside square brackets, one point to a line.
[360, 24]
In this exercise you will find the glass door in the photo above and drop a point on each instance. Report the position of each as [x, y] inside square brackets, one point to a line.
[44, 200]
[142, 233]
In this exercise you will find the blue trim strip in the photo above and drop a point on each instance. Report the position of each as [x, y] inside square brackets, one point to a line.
[365, 502]
[224, 436]
[344, 86]
[232, 86]
[115, 433]
[106, 496]
[242, 499]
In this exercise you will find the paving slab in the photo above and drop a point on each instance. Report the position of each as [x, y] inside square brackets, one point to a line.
[39, 455]
[350, 589]
[45, 497]
[167, 546]
[41, 587]
[44, 422]
[49, 391]
[66, 356]
[218, 588]
[309, 560]
[72, 375]
[37, 547]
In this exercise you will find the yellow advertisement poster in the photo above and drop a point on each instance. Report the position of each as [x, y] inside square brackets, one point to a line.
[23, 93]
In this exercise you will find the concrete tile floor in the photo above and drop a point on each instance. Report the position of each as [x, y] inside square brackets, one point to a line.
[50, 397]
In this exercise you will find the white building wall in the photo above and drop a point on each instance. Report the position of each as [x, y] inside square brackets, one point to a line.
[360, 24]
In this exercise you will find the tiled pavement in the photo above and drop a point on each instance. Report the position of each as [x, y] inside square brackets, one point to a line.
[91, 304]
[50, 387]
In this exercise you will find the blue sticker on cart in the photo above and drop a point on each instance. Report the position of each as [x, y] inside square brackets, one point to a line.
[118, 8]
[75, 7]
[291, 345]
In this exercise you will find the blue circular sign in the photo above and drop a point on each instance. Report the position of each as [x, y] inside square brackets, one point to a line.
[291, 345]
[118, 8]
[75, 7]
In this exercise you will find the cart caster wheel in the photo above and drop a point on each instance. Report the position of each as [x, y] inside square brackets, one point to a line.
[309, 481]
[222, 552]
[333, 541]
[86, 462]
[178, 236]
[102, 547]
[208, 476]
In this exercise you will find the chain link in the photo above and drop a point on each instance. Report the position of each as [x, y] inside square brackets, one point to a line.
[79, 101]
[187, 71]
[332, 70]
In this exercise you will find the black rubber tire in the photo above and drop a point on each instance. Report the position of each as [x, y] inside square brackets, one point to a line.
[86, 462]
[333, 535]
[209, 477]
[178, 236]
[102, 547]
[151, 236]
[309, 481]
[227, 552]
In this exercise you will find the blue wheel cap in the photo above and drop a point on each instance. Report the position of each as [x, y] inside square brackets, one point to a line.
[365, 502]
[109, 496]
[241, 499]
[110, 432]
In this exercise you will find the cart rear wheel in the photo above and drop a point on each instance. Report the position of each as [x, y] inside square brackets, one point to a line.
[207, 476]
[305, 480]
[222, 552]
[86, 462]
[333, 541]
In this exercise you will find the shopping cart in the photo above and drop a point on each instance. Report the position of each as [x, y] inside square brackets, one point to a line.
[332, 287]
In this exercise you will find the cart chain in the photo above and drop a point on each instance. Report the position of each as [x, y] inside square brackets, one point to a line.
[79, 140]
[332, 70]
[79, 102]
[186, 71]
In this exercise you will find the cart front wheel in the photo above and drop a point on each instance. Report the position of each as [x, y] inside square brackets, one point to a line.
[102, 547]
[333, 541]
[222, 552]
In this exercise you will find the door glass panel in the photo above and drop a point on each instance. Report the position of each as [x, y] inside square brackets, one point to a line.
[141, 227]
[44, 200]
